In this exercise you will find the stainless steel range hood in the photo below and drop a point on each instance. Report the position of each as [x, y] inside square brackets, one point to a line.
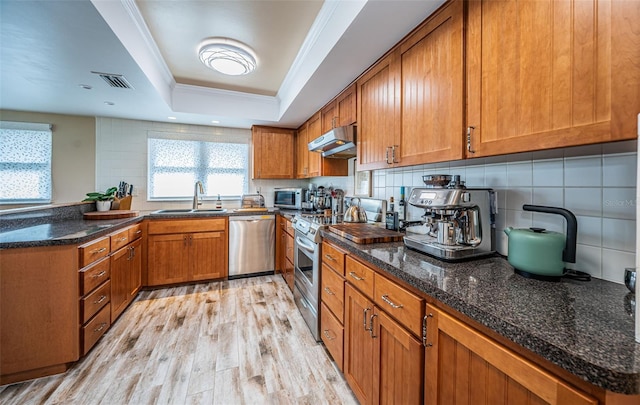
[339, 143]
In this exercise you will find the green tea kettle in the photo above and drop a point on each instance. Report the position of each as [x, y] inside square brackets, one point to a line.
[541, 254]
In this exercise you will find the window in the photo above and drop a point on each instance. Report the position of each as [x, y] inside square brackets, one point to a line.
[25, 163]
[176, 164]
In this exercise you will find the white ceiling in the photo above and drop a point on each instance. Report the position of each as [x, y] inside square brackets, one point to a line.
[308, 51]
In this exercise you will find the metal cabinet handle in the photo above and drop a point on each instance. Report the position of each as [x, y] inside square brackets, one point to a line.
[328, 291]
[424, 330]
[101, 327]
[326, 334]
[122, 239]
[101, 300]
[386, 155]
[371, 326]
[393, 153]
[102, 273]
[364, 318]
[328, 256]
[354, 275]
[469, 132]
[386, 299]
[96, 251]
[138, 232]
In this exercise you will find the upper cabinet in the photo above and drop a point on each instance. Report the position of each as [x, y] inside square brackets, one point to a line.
[411, 102]
[431, 90]
[548, 74]
[377, 112]
[312, 164]
[340, 111]
[272, 150]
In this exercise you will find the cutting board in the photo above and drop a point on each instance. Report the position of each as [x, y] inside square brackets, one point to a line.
[366, 233]
[113, 214]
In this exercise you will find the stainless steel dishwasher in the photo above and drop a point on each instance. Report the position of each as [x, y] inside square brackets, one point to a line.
[252, 244]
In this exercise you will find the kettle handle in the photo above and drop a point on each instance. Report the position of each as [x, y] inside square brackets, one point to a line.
[569, 253]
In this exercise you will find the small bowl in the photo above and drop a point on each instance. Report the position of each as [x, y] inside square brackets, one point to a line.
[630, 279]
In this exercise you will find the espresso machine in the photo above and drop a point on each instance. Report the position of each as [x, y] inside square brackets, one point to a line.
[459, 222]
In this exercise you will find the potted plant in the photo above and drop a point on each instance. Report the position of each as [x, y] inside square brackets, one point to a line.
[103, 200]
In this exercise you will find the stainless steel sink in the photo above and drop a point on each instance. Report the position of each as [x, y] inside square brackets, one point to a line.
[189, 211]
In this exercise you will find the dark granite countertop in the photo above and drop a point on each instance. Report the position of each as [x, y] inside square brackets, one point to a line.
[584, 327]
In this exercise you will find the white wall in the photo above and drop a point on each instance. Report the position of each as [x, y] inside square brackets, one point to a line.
[597, 183]
[121, 155]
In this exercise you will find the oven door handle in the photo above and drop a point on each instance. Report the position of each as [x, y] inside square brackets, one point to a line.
[306, 245]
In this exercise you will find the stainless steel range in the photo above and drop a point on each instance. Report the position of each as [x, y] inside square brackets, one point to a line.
[306, 257]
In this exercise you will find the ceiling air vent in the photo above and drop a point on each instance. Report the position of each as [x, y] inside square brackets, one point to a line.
[115, 80]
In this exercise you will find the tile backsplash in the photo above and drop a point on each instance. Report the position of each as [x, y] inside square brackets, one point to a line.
[596, 182]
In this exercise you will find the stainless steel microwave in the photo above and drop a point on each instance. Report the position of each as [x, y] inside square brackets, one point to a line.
[291, 198]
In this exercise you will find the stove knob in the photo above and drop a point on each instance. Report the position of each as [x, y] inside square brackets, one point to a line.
[466, 197]
[312, 231]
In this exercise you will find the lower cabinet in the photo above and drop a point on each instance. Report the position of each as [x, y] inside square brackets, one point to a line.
[463, 366]
[382, 360]
[187, 250]
[286, 251]
[126, 266]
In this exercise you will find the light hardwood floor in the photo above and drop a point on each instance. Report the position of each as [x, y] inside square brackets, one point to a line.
[231, 342]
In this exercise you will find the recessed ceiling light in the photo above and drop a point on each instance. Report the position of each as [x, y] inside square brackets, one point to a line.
[215, 122]
[85, 86]
[227, 56]
[109, 103]
[172, 118]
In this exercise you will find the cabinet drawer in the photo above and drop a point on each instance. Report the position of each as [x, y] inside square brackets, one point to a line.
[186, 225]
[94, 275]
[333, 257]
[399, 303]
[332, 333]
[94, 250]
[91, 332]
[119, 239]
[288, 227]
[332, 292]
[135, 232]
[92, 303]
[360, 276]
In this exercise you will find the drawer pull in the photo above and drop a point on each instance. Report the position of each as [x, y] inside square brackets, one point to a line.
[138, 232]
[354, 275]
[102, 273]
[328, 291]
[386, 299]
[101, 327]
[122, 239]
[328, 256]
[100, 300]
[326, 334]
[96, 251]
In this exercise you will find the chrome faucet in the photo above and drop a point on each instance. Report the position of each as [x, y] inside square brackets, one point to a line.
[197, 196]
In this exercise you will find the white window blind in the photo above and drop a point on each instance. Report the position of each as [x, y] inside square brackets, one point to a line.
[25, 162]
[174, 165]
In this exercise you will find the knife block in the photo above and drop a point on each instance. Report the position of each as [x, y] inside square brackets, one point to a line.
[123, 203]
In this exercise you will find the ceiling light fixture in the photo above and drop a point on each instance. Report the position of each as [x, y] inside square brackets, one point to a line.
[172, 118]
[227, 56]
[215, 122]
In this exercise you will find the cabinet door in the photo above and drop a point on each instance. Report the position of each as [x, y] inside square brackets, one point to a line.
[135, 270]
[377, 115]
[208, 255]
[463, 366]
[559, 73]
[432, 81]
[302, 153]
[346, 106]
[314, 158]
[358, 345]
[272, 153]
[120, 279]
[398, 363]
[167, 259]
[329, 115]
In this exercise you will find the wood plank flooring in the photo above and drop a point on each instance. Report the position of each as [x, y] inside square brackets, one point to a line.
[230, 342]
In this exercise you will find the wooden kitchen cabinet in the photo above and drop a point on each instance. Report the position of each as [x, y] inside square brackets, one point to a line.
[332, 284]
[286, 250]
[559, 73]
[340, 111]
[273, 152]
[126, 269]
[463, 366]
[312, 164]
[382, 360]
[378, 112]
[187, 250]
